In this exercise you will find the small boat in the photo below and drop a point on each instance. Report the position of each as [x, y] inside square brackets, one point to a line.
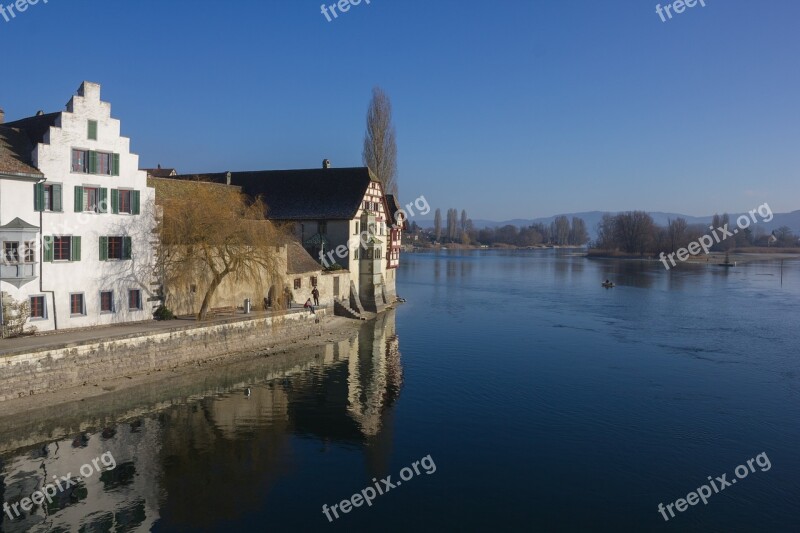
[608, 285]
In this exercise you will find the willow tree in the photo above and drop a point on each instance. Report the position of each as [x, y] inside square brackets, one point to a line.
[209, 233]
[380, 144]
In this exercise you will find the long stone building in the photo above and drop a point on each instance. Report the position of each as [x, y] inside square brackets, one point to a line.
[341, 216]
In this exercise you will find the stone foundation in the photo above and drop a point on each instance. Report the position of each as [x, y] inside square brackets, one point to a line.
[72, 365]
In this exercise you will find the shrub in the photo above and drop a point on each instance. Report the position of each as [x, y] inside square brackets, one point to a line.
[162, 313]
[15, 316]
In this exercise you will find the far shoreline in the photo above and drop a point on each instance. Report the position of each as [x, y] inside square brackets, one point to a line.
[458, 246]
[736, 257]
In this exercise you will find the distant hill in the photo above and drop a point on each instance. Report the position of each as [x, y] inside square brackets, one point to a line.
[592, 218]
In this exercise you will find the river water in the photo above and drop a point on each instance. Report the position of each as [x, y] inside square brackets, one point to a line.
[511, 392]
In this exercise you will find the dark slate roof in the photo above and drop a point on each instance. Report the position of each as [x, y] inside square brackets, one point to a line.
[394, 207]
[299, 261]
[15, 153]
[320, 193]
[18, 223]
[35, 127]
[160, 172]
[316, 240]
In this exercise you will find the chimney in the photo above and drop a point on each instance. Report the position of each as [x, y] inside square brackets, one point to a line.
[326, 163]
[39, 113]
[2, 116]
[159, 166]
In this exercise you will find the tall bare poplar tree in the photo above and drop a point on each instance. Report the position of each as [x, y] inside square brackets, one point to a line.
[380, 145]
[452, 224]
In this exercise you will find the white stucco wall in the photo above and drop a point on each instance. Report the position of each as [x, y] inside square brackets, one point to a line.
[89, 276]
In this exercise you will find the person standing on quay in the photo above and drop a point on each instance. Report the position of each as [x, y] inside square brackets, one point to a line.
[315, 294]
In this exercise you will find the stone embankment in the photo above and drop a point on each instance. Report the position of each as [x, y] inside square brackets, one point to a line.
[62, 363]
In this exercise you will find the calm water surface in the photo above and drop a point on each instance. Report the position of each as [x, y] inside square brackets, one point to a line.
[545, 402]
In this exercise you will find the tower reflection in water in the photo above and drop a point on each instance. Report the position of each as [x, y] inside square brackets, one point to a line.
[229, 448]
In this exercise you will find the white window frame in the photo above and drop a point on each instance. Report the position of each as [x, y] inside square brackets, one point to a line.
[85, 199]
[5, 253]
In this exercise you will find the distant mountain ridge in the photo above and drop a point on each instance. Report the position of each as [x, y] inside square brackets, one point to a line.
[592, 218]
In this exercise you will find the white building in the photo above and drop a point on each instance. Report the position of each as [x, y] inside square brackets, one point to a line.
[69, 181]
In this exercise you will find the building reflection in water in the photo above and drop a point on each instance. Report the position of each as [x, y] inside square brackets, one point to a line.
[123, 499]
[189, 462]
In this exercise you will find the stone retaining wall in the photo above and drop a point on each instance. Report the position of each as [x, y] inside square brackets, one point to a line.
[76, 364]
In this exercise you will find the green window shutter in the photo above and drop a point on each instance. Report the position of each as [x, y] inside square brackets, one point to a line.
[76, 248]
[92, 162]
[93, 130]
[103, 248]
[102, 201]
[115, 201]
[56, 192]
[38, 197]
[78, 199]
[47, 244]
[126, 248]
[115, 165]
[135, 207]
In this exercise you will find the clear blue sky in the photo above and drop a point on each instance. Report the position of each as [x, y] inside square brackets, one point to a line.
[522, 108]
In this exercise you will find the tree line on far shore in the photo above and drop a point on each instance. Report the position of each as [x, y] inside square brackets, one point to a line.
[460, 229]
[635, 232]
